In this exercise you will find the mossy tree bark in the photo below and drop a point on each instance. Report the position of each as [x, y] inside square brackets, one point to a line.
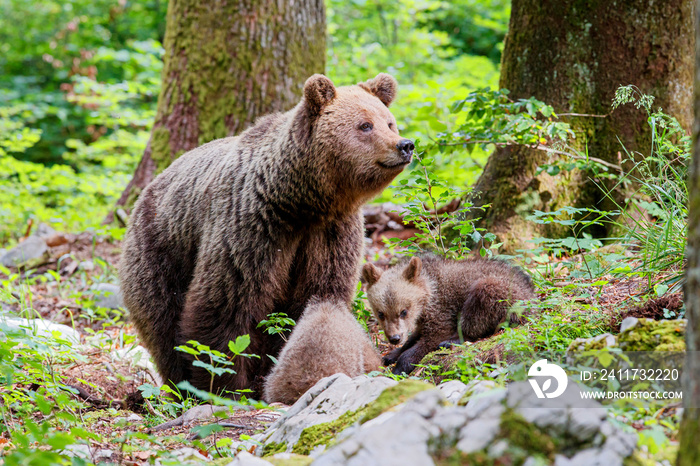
[574, 54]
[227, 63]
[689, 451]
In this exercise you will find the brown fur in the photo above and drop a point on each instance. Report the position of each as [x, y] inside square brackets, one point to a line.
[427, 301]
[263, 222]
[326, 340]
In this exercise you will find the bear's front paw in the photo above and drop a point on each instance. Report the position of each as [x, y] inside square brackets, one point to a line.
[392, 357]
[403, 365]
[448, 344]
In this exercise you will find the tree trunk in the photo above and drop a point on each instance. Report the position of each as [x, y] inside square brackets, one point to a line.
[689, 451]
[573, 55]
[227, 63]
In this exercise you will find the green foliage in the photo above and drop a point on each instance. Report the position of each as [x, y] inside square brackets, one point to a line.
[425, 195]
[79, 84]
[36, 406]
[475, 27]
[218, 363]
[276, 324]
[656, 216]
[493, 118]
[652, 216]
[482, 119]
[359, 309]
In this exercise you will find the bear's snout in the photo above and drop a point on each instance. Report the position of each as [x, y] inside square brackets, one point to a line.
[394, 339]
[405, 147]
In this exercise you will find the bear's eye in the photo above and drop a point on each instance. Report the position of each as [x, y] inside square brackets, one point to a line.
[366, 126]
[381, 316]
[391, 125]
[403, 314]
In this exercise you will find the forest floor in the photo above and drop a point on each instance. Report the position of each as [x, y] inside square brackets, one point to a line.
[107, 376]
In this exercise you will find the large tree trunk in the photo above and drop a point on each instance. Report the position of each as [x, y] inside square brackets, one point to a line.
[689, 452]
[227, 63]
[574, 55]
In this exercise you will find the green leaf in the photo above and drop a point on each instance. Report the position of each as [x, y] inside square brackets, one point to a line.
[206, 430]
[241, 343]
[148, 391]
[660, 289]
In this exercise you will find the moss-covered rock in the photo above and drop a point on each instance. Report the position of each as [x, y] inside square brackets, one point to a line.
[654, 335]
[290, 460]
[324, 434]
[605, 340]
[526, 436]
[273, 448]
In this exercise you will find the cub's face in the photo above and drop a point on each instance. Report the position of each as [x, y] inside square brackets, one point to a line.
[397, 298]
[359, 133]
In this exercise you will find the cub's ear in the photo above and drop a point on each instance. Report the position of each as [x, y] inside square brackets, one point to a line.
[413, 270]
[370, 274]
[383, 86]
[318, 92]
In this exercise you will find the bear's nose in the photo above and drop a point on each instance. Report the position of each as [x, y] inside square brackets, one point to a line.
[394, 339]
[405, 147]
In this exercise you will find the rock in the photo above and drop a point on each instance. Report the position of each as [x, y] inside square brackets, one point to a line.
[450, 421]
[44, 231]
[243, 458]
[197, 413]
[621, 442]
[453, 390]
[533, 461]
[31, 252]
[477, 387]
[351, 421]
[567, 416]
[108, 296]
[78, 450]
[399, 437]
[40, 327]
[478, 434]
[103, 454]
[584, 424]
[498, 449]
[628, 323]
[606, 340]
[595, 457]
[186, 455]
[130, 419]
[140, 357]
[484, 401]
[326, 401]
[87, 266]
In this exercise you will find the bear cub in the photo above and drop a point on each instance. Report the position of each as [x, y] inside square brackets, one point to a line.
[429, 301]
[326, 340]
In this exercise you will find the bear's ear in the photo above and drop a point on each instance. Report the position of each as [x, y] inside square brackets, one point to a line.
[318, 92]
[370, 274]
[413, 270]
[383, 86]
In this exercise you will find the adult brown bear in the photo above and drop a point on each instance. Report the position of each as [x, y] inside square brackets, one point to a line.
[263, 222]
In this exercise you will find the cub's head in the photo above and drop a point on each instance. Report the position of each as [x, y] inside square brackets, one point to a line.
[353, 130]
[397, 298]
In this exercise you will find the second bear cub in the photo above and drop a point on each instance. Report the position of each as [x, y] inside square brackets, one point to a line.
[428, 300]
[326, 340]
